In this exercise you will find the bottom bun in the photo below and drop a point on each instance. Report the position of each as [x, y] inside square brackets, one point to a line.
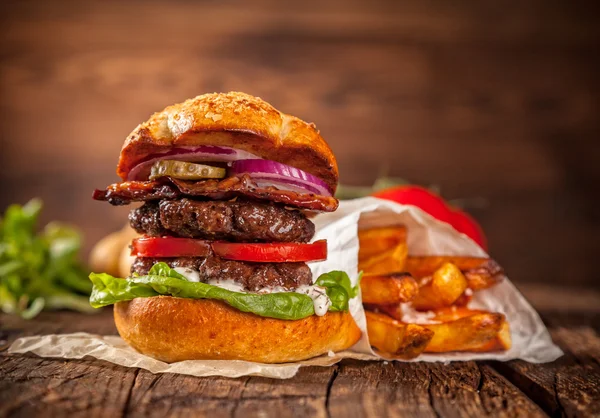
[175, 329]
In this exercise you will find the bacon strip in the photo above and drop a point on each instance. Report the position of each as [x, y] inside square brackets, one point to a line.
[136, 191]
[237, 186]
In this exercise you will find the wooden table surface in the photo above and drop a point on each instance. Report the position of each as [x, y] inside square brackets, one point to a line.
[570, 386]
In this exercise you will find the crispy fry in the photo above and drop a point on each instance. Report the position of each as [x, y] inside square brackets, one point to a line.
[448, 314]
[394, 311]
[480, 273]
[470, 333]
[404, 341]
[389, 261]
[399, 326]
[442, 289]
[374, 241]
[501, 342]
[464, 299]
[403, 312]
[388, 289]
[421, 266]
[481, 278]
[452, 313]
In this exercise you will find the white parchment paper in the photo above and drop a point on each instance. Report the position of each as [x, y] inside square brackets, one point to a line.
[426, 236]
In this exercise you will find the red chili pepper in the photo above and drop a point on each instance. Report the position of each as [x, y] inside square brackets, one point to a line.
[438, 208]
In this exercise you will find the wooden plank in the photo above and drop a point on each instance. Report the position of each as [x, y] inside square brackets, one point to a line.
[350, 389]
[363, 389]
[498, 396]
[466, 390]
[570, 386]
[425, 390]
[358, 389]
[30, 386]
[283, 407]
[169, 394]
[175, 395]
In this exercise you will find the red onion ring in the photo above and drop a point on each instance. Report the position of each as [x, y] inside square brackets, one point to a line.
[272, 173]
[189, 154]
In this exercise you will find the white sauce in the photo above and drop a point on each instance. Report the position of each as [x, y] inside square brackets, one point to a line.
[318, 294]
[266, 290]
[190, 274]
[227, 284]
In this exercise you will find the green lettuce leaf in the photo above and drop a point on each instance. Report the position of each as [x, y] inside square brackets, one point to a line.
[163, 280]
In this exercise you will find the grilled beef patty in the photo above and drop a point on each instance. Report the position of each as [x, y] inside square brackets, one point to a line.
[240, 221]
[252, 276]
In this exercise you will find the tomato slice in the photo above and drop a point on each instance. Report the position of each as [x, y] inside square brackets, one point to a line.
[280, 252]
[169, 247]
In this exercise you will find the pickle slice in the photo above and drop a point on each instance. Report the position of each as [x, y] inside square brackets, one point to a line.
[185, 171]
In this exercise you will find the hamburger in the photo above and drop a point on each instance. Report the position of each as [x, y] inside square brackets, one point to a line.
[226, 185]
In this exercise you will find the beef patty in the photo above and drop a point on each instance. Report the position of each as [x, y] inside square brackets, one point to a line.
[240, 221]
[252, 276]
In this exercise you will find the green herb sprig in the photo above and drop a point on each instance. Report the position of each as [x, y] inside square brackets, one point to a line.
[40, 270]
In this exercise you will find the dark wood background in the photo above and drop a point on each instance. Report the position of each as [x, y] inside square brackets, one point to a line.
[490, 100]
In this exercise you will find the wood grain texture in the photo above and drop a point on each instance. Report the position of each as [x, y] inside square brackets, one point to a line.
[570, 386]
[32, 386]
[39, 387]
[463, 389]
[487, 101]
[168, 394]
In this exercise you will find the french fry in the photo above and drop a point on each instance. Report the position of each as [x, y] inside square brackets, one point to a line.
[396, 322]
[453, 313]
[388, 289]
[402, 312]
[470, 333]
[483, 278]
[448, 314]
[464, 299]
[374, 241]
[422, 266]
[399, 340]
[501, 342]
[394, 311]
[442, 289]
[480, 272]
[389, 261]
